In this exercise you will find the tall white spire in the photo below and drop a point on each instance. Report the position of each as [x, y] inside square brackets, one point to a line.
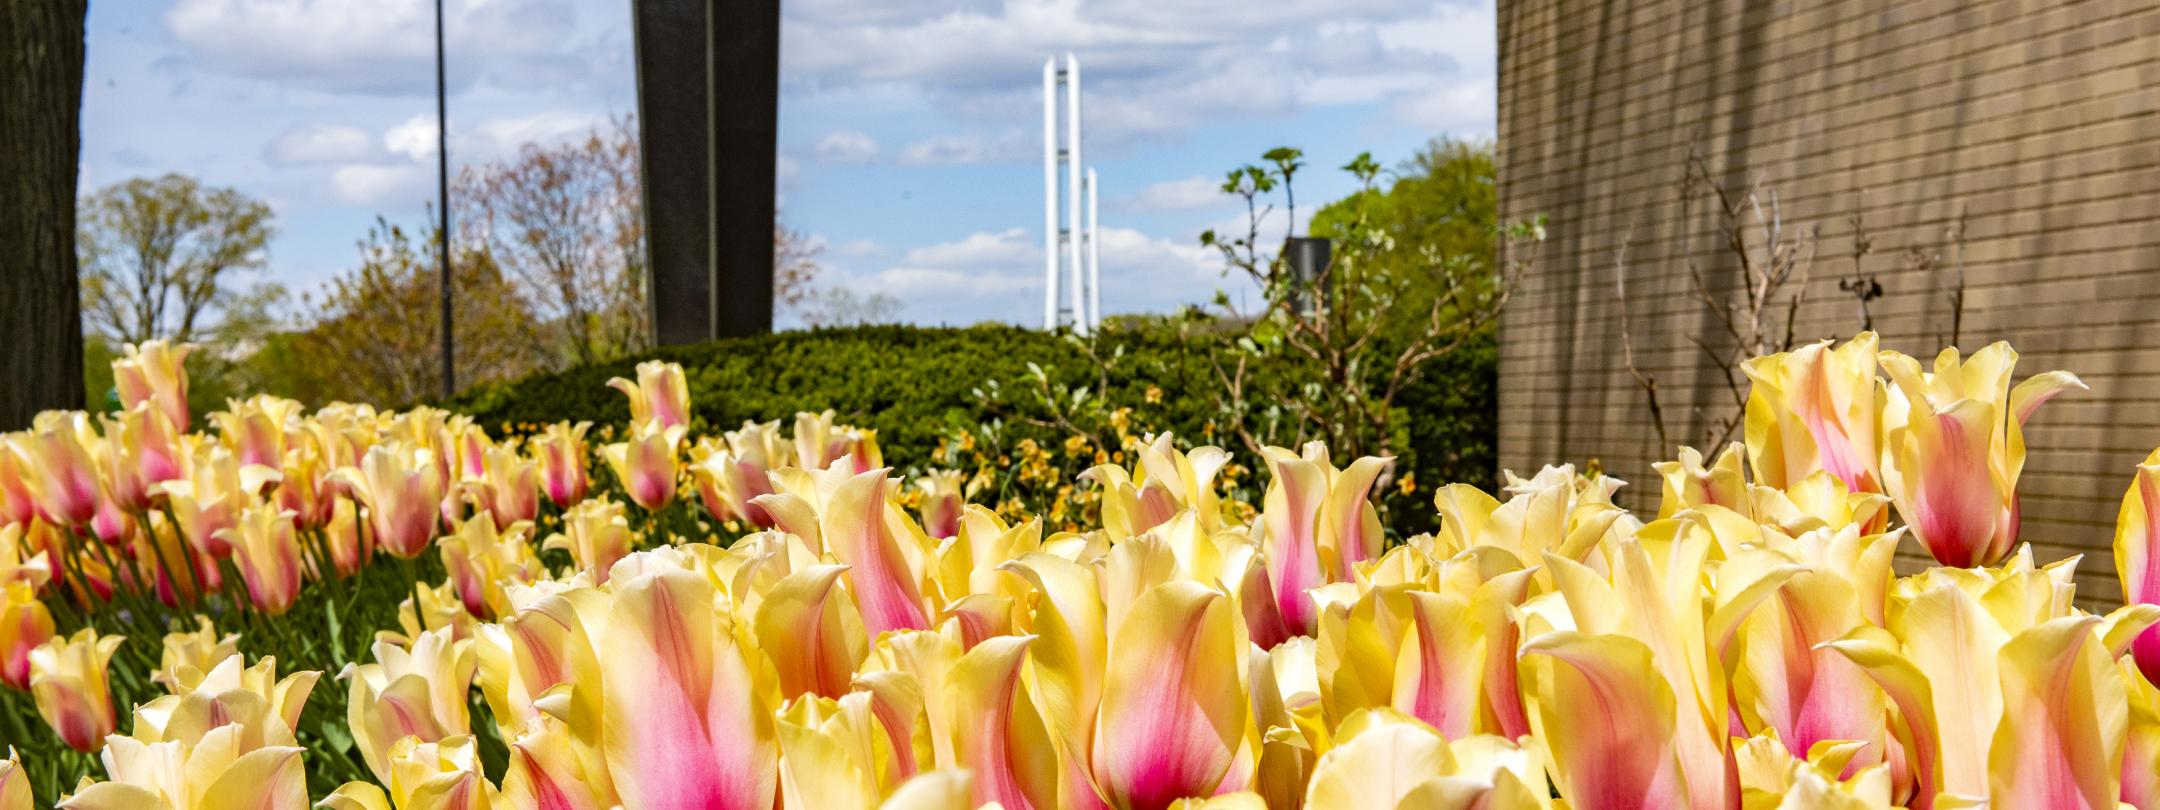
[1070, 255]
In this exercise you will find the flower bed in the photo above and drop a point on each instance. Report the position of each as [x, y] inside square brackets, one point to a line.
[395, 610]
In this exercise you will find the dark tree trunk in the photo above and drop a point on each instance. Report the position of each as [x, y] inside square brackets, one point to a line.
[41, 344]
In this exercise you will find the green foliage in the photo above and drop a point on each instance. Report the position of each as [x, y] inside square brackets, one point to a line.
[1004, 392]
[1440, 213]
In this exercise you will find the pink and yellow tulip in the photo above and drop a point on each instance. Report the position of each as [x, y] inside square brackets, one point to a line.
[1954, 445]
[268, 555]
[560, 453]
[153, 372]
[660, 396]
[646, 465]
[69, 680]
[402, 487]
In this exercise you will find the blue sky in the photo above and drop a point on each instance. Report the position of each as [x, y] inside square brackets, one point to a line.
[910, 131]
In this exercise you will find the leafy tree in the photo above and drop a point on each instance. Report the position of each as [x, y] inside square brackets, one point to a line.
[1414, 278]
[376, 338]
[1440, 212]
[157, 256]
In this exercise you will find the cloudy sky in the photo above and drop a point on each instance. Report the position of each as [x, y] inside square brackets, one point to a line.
[910, 130]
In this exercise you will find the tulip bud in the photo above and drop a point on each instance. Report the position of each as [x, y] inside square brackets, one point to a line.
[942, 500]
[646, 466]
[560, 451]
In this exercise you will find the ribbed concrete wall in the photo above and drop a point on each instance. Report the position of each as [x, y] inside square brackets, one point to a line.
[2038, 121]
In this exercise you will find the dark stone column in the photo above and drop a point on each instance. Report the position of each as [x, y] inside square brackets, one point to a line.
[708, 96]
[744, 42]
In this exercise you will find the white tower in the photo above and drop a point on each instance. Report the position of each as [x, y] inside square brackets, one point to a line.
[1070, 253]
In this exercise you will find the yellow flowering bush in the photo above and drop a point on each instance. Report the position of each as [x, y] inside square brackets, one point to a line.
[569, 621]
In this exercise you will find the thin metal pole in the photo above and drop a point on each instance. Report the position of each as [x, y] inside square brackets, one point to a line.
[442, 203]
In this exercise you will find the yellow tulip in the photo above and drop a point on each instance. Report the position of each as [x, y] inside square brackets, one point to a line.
[141, 452]
[254, 429]
[189, 654]
[1605, 718]
[25, 625]
[304, 488]
[1319, 526]
[18, 505]
[442, 775]
[1689, 484]
[68, 678]
[660, 396]
[417, 693]
[349, 547]
[550, 770]
[1953, 446]
[218, 771]
[645, 465]
[14, 784]
[265, 707]
[1381, 759]
[1815, 409]
[481, 561]
[596, 533]
[154, 372]
[2060, 744]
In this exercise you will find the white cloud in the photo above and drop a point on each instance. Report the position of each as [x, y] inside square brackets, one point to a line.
[1150, 70]
[490, 138]
[384, 47]
[414, 139]
[945, 150]
[321, 143]
[846, 147]
[382, 186]
[1174, 195]
[1455, 109]
[1007, 247]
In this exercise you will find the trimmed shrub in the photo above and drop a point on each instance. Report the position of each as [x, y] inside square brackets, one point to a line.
[922, 387]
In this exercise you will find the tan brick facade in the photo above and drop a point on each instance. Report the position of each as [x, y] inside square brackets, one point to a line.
[2038, 120]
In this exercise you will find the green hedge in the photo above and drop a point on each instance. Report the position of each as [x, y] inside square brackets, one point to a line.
[916, 385]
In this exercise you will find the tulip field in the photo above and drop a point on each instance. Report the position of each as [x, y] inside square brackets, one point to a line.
[357, 609]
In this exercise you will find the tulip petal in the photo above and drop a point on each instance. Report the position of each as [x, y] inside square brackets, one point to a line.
[1173, 707]
[684, 726]
[2064, 717]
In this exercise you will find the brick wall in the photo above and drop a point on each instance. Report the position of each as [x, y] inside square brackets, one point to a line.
[2034, 123]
